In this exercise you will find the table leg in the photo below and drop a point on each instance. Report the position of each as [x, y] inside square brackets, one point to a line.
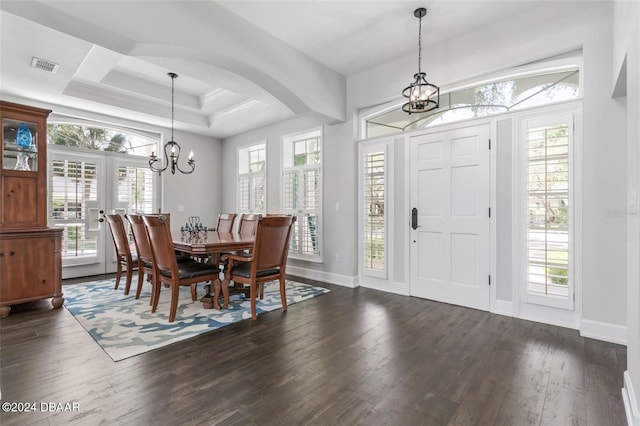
[225, 288]
[211, 299]
[216, 294]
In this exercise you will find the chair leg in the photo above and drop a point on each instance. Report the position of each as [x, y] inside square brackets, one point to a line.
[154, 288]
[127, 286]
[283, 295]
[155, 292]
[140, 281]
[252, 296]
[175, 291]
[118, 275]
[194, 292]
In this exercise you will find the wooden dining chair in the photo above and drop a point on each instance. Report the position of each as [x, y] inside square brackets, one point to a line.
[167, 270]
[247, 226]
[248, 223]
[167, 217]
[267, 260]
[143, 249]
[145, 254]
[127, 260]
[225, 222]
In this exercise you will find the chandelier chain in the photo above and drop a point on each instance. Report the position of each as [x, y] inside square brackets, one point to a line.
[420, 46]
[173, 82]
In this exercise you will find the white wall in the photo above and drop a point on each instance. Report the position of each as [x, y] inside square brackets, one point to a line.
[626, 63]
[339, 180]
[200, 193]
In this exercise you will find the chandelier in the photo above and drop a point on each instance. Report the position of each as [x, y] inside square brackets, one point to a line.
[171, 148]
[423, 96]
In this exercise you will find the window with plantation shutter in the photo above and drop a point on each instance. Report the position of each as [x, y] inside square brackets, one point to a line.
[74, 184]
[252, 164]
[135, 188]
[302, 192]
[373, 211]
[549, 206]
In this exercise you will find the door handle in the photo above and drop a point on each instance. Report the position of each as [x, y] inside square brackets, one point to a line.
[414, 218]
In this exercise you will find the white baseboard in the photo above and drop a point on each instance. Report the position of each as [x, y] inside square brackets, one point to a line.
[612, 333]
[630, 402]
[503, 307]
[327, 277]
[400, 288]
[547, 315]
[387, 286]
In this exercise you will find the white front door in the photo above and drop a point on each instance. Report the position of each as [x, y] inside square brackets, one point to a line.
[450, 198]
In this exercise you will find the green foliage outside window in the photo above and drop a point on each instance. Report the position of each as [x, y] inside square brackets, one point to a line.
[99, 139]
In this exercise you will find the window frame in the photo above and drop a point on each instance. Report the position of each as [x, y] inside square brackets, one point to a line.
[154, 139]
[252, 175]
[367, 148]
[288, 166]
[530, 303]
[569, 61]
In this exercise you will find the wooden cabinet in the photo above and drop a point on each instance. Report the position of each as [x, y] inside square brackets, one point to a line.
[30, 267]
[30, 258]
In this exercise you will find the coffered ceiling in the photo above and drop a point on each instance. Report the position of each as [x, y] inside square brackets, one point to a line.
[241, 64]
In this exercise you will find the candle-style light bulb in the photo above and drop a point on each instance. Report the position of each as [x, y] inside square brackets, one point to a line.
[191, 155]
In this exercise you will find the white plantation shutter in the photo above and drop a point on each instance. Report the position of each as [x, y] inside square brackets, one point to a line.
[73, 185]
[135, 188]
[252, 179]
[374, 224]
[302, 192]
[244, 199]
[549, 208]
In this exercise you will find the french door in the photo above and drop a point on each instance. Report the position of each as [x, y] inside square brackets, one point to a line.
[82, 187]
[450, 198]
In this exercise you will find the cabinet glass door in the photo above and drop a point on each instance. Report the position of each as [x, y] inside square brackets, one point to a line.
[20, 145]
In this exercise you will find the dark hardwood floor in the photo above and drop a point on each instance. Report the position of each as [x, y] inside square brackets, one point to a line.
[353, 356]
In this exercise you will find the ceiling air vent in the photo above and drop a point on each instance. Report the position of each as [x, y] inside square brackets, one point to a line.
[45, 65]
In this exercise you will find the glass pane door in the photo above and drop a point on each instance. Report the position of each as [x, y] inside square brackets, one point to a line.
[76, 194]
[83, 187]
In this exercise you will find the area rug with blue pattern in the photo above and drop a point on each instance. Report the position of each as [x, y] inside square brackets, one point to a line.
[125, 327]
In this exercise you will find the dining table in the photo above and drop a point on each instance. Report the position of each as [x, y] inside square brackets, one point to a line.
[210, 245]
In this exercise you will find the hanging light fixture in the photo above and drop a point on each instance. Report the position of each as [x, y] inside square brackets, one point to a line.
[171, 148]
[423, 96]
